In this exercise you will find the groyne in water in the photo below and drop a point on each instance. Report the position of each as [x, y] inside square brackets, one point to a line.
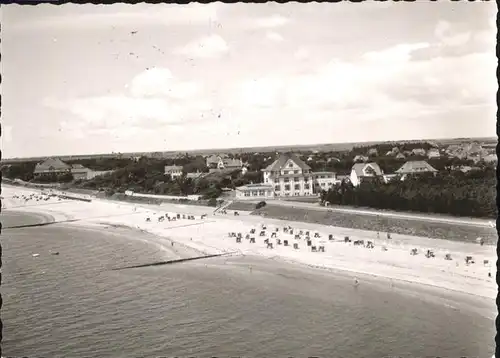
[170, 262]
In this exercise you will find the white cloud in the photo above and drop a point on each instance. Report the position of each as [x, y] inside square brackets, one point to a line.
[381, 85]
[270, 22]
[161, 82]
[120, 112]
[442, 29]
[301, 54]
[263, 92]
[274, 36]
[211, 46]
[396, 54]
[445, 34]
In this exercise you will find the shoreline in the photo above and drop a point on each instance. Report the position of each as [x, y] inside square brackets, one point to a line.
[212, 239]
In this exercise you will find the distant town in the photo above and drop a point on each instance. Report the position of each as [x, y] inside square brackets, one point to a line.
[454, 176]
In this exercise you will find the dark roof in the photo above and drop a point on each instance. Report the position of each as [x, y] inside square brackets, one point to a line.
[416, 166]
[172, 167]
[55, 164]
[77, 166]
[279, 163]
[232, 163]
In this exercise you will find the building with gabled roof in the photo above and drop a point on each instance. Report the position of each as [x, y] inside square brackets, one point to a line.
[230, 164]
[360, 158]
[415, 167]
[289, 175]
[175, 171]
[57, 166]
[364, 171]
[51, 165]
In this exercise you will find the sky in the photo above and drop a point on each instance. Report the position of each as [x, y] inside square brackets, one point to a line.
[85, 79]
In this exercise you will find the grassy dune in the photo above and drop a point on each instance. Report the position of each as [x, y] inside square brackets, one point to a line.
[455, 232]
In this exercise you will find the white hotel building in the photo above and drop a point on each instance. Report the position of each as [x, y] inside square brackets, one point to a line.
[287, 176]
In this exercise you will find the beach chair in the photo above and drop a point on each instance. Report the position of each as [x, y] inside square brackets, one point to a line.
[278, 242]
[309, 242]
[262, 233]
[322, 248]
[252, 240]
[314, 249]
[269, 245]
[296, 246]
[285, 242]
[447, 257]
[469, 260]
[330, 237]
[346, 239]
[238, 239]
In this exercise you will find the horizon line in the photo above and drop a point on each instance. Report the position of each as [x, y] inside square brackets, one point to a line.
[256, 147]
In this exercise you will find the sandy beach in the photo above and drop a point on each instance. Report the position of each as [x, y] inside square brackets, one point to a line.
[209, 235]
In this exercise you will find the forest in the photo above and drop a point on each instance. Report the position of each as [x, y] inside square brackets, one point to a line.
[470, 194]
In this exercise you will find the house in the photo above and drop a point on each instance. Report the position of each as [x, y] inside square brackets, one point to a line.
[372, 152]
[389, 177]
[391, 153]
[244, 170]
[419, 152]
[255, 192]
[194, 176]
[230, 164]
[364, 171]
[57, 166]
[175, 171]
[433, 153]
[490, 158]
[79, 172]
[51, 166]
[289, 175]
[415, 167]
[324, 180]
[214, 160]
[400, 156]
[360, 158]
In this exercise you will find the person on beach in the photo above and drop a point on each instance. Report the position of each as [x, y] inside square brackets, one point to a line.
[250, 268]
[356, 282]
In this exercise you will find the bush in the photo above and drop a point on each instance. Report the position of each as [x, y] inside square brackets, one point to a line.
[260, 205]
[212, 202]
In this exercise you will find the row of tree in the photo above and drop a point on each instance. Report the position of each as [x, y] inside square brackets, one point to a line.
[472, 194]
